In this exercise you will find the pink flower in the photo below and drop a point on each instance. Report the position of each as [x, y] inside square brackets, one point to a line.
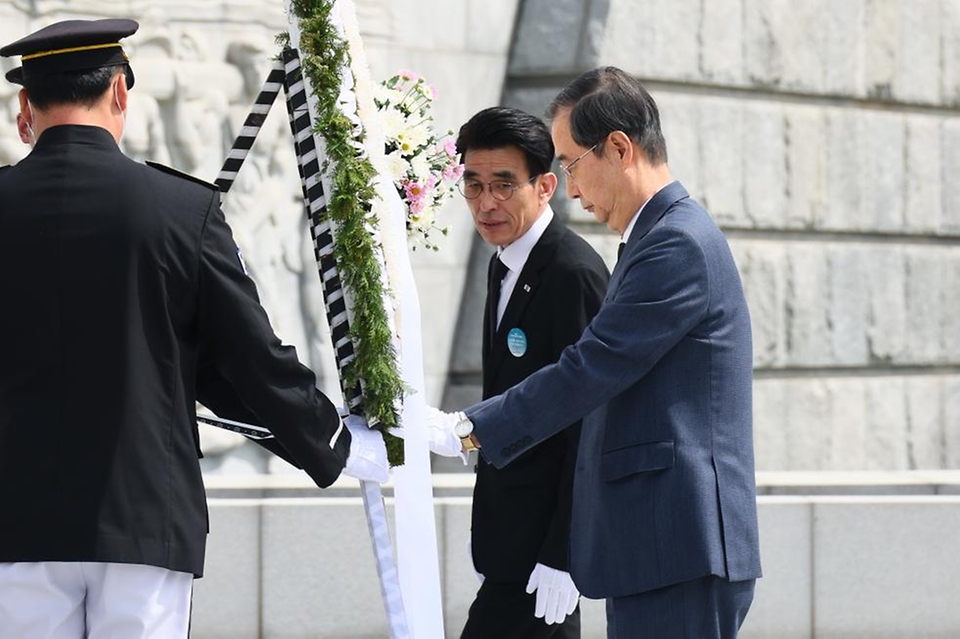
[434, 92]
[431, 182]
[414, 190]
[453, 172]
[408, 74]
[450, 147]
[417, 205]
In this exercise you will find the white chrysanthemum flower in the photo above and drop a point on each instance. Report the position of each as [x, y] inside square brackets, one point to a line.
[427, 217]
[420, 166]
[384, 94]
[416, 136]
[397, 165]
[394, 124]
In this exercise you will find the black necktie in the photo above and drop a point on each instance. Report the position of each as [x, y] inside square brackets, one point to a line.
[620, 250]
[497, 274]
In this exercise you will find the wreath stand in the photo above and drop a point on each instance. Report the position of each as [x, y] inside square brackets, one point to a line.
[423, 608]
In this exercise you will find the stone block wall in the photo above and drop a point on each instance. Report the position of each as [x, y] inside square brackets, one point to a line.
[823, 137]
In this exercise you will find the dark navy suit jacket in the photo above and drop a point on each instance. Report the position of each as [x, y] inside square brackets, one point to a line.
[664, 489]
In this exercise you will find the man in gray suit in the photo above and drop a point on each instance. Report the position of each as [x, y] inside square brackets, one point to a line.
[664, 520]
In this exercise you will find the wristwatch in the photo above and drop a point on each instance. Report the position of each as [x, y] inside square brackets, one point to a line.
[464, 430]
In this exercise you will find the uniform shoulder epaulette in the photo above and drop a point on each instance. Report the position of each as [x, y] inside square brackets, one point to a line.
[181, 174]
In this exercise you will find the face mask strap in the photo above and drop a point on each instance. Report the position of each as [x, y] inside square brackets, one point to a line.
[123, 114]
[33, 136]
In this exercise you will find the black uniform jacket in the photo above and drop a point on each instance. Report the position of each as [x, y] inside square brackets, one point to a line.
[521, 513]
[125, 302]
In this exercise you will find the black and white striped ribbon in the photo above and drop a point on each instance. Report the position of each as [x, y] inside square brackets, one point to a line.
[251, 127]
[315, 202]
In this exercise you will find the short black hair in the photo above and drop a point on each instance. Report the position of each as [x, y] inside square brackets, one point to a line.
[83, 88]
[499, 127]
[607, 99]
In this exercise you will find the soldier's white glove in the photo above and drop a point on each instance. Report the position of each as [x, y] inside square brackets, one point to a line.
[441, 440]
[557, 596]
[367, 460]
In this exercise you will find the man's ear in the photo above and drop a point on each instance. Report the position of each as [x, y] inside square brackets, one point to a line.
[23, 123]
[22, 129]
[623, 146]
[24, 103]
[120, 87]
[547, 185]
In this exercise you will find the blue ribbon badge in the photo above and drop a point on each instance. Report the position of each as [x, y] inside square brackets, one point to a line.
[517, 342]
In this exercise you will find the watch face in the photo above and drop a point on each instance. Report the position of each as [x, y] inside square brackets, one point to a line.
[463, 428]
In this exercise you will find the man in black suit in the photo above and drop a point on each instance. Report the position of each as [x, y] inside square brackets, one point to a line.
[545, 283]
[125, 302]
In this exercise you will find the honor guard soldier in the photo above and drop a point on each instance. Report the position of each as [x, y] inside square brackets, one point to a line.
[125, 303]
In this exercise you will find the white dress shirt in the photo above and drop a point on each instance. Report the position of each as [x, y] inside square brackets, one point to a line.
[515, 255]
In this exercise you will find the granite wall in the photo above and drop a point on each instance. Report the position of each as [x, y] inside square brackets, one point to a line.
[823, 136]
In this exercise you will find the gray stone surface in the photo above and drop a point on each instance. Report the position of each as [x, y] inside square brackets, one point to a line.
[226, 602]
[866, 589]
[846, 422]
[849, 304]
[806, 161]
[783, 605]
[721, 135]
[722, 42]
[665, 31]
[548, 36]
[925, 312]
[317, 568]
[460, 582]
[765, 165]
[951, 426]
[762, 266]
[921, 68]
[950, 29]
[680, 118]
[923, 202]
[951, 168]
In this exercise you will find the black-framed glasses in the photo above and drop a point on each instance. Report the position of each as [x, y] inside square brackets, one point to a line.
[568, 168]
[500, 190]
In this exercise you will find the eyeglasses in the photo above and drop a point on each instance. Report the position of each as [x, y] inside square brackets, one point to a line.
[500, 190]
[568, 168]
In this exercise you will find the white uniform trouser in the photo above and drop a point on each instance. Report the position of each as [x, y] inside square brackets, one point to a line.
[71, 600]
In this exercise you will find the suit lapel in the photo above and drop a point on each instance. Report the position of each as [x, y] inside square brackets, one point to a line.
[652, 213]
[526, 286]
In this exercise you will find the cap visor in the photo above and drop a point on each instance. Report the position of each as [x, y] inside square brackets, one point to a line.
[15, 75]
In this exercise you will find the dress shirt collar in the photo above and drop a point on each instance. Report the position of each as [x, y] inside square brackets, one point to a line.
[515, 255]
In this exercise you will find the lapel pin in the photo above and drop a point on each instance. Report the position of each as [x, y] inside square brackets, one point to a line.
[526, 288]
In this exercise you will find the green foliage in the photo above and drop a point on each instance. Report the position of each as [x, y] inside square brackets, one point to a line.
[323, 54]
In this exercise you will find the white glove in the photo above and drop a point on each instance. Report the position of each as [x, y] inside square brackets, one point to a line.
[556, 595]
[367, 460]
[479, 575]
[441, 440]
